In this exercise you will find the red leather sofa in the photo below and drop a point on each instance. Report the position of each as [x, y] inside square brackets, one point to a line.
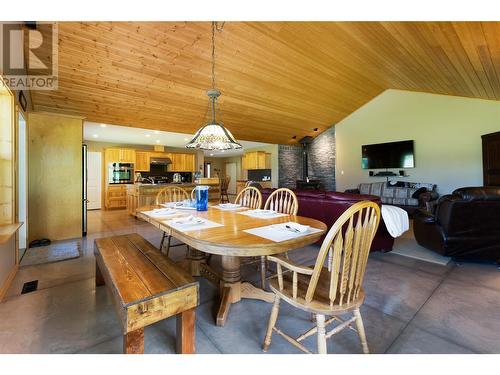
[327, 206]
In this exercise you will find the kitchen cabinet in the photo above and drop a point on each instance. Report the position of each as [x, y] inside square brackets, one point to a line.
[120, 155]
[116, 196]
[183, 162]
[256, 160]
[267, 163]
[142, 161]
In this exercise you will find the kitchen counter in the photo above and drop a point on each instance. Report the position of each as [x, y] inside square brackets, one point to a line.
[240, 184]
[140, 194]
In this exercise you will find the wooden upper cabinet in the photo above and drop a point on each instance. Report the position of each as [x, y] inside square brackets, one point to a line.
[256, 160]
[120, 155]
[190, 162]
[142, 161]
[112, 155]
[268, 164]
[183, 162]
[127, 155]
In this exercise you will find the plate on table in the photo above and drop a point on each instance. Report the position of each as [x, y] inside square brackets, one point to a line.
[229, 205]
[179, 205]
[190, 220]
[261, 212]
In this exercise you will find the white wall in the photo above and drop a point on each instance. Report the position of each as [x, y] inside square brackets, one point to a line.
[446, 129]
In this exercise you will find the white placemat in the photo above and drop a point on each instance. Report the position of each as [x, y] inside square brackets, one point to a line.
[191, 227]
[252, 213]
[279, 232]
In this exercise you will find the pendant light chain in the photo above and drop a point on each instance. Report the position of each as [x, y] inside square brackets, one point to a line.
[215, 28]
[213, 54]
[213, 135]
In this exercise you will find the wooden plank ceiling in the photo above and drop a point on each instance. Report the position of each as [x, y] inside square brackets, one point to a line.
[278, 79]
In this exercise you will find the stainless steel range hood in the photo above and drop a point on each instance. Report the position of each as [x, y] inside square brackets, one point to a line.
[160, 161]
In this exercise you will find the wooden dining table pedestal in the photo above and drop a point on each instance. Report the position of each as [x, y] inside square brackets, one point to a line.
[231, 242]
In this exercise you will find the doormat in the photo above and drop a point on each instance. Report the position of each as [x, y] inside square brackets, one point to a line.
[56, 252]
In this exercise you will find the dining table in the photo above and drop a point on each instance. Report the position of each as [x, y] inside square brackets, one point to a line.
[233, 235]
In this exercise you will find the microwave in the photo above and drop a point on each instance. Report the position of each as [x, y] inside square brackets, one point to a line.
[121, 173]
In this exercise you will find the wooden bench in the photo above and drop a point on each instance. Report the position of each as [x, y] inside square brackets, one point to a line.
[146, 287]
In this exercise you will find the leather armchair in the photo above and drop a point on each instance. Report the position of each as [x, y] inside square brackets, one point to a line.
[466, 224]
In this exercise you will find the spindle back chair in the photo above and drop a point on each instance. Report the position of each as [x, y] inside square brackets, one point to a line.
[333, 290]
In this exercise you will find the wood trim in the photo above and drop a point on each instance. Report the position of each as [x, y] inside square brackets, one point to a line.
[58, 114]
[7, 231]
[6, 284]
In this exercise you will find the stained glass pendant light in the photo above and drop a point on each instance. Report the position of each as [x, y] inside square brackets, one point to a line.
[213, 135]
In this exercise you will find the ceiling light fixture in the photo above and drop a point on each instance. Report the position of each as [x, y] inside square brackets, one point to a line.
[213, 135]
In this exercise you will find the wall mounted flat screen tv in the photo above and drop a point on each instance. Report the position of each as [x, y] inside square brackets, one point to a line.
[388, 155]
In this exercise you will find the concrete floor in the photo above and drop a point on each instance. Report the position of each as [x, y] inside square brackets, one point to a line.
[411, 307]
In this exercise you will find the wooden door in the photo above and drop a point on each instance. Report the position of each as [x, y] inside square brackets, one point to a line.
[491, 159]
[142, 161]
[94, 180]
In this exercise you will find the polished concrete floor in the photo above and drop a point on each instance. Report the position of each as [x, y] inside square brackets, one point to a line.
[411, 307]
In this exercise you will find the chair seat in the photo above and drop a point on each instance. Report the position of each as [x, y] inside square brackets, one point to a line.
[320, 303]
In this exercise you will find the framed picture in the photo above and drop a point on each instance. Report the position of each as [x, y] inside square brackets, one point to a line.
[22, 101]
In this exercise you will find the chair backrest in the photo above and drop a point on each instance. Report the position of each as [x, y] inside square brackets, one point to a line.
[193, 193]
[283, 201]
[348, 245]
[249, 197]
[171, 194]
[224, 184]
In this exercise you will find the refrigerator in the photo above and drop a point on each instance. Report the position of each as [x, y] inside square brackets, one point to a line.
[85, 200]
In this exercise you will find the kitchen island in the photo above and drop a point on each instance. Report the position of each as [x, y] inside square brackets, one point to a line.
[140, 194]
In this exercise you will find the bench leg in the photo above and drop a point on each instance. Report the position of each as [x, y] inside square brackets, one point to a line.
[185, 340]
[99, 280]
[133, 342]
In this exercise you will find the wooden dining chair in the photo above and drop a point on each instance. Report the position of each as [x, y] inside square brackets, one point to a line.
[332, 290]
[284, 201]
[167, 195]
[224, 185]
[249, 197]
[193, 193]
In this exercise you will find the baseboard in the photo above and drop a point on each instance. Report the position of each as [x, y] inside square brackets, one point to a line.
[5, 287]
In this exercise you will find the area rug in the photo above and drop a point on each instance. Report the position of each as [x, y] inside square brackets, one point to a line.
[55, 252]
[407, 246]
